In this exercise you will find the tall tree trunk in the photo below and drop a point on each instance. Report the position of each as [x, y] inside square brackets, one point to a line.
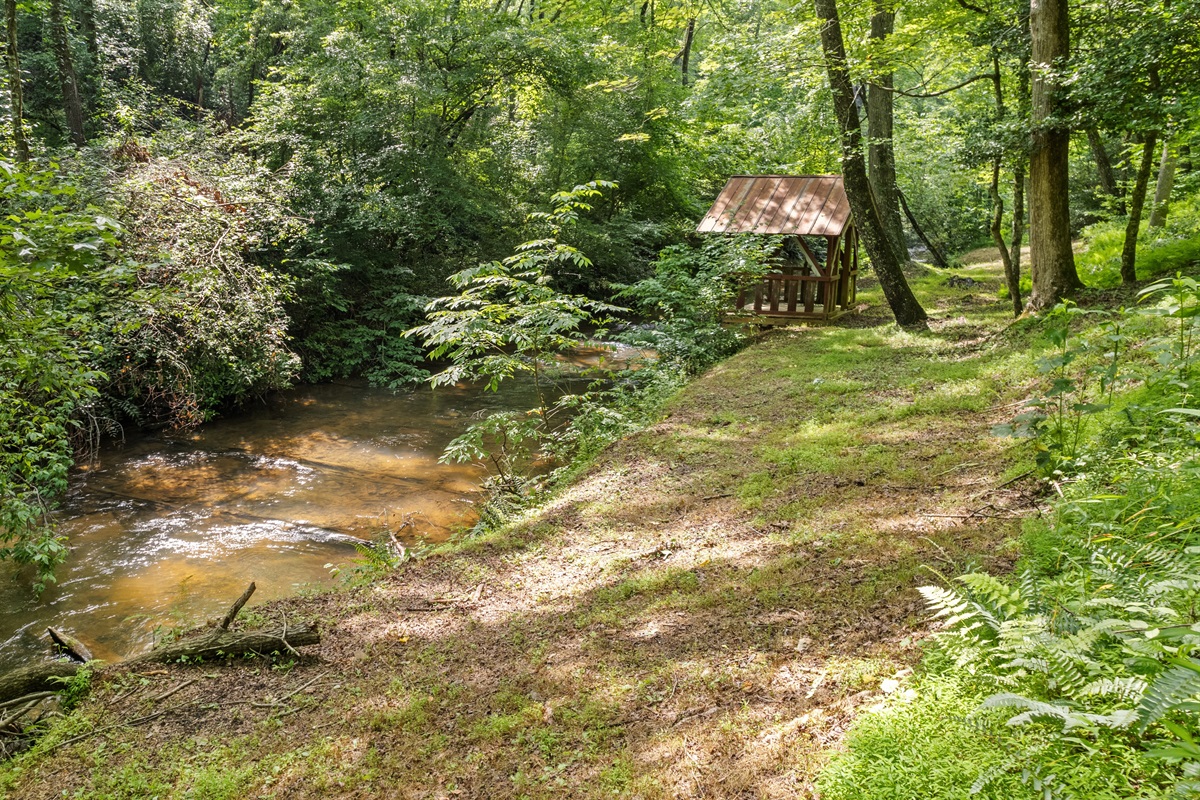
[72, 105]
[1162, 190]
[688, 36]
[1051, 260]
[20, 145]
[881, 156]
[1104, 169]
[87, 24]
[1011, 277]
[200, 81]
[1021, 164]
[903, 303]
[1018, 217]
[934, 252]
[1137, 201]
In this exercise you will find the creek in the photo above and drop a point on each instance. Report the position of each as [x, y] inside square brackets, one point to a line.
[167, 531]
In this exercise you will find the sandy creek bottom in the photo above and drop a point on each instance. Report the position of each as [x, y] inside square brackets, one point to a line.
[167, 531]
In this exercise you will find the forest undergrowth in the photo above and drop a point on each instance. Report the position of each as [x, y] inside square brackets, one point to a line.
[702, 612]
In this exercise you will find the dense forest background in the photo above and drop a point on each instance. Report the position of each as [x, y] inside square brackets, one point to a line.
[205, 201]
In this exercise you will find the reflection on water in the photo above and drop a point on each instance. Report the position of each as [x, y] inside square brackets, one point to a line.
[168, 531]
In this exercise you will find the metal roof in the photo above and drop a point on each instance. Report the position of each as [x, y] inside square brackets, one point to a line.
[795, 205]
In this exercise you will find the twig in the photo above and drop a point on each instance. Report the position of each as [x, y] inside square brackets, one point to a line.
[16, 715]
[97, 731]
[301, 689]
[170, 692]
[26, 698]
[955, 468]
[237, 607]
[1014, 480]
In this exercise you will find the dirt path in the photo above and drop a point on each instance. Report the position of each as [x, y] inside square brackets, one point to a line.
[699, 616]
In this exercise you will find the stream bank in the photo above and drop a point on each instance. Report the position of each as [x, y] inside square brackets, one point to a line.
[699, 615]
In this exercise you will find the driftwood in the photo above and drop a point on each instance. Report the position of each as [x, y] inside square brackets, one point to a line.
[69, 646]
[218, 642]
[221, 642]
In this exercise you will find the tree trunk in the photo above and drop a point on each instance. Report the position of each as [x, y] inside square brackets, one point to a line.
[20, 144]
[1104, 169]
[42, 676]
[688, 36]
[200, 82]
[934, 253]
[1011, 277]
[72, 105]
[1162, 190]
[1018, 218]
[1137, 202]
[87, 24]
[881, 155]
[1051, 260]
[903, 303]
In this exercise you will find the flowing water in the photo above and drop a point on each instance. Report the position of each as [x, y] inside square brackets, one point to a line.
[168, 531]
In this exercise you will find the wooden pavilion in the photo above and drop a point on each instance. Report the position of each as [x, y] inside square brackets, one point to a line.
[817, 277]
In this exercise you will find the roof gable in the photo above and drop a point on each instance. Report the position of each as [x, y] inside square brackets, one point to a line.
[794, 205]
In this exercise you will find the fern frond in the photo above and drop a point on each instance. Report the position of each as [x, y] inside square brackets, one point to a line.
[1129, 689]
[1177, 685]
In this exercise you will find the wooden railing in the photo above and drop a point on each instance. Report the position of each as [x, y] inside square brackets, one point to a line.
[787, 294]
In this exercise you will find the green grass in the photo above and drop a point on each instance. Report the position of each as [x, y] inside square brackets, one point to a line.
[1175, 247]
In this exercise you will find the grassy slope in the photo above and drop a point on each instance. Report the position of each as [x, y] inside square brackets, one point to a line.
[699, 615]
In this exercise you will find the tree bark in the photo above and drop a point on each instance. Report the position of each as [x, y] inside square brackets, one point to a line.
[87, 24]
[688, 36]
[16, 100]
[222, 643]
[1162, 190]
[881, 155]
[1137, 202]
[68, 79]
[1104, 169]
[904, 304]
[1018, 217]
[934, 253]
[40, 677]
[1052, 261]
[1011, 277]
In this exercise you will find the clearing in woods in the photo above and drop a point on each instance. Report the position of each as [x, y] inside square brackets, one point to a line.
[699, 615]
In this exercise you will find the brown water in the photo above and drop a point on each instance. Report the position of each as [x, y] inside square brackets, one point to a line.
[168, 531]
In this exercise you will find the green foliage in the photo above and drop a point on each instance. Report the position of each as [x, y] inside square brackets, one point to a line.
[689, 294]
[1081, 386]
[1160, 251]
[210, 330]
[508, 317]
[50, 245]
[1095, 647]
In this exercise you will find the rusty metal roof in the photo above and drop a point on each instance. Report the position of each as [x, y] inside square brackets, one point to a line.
[795, 205]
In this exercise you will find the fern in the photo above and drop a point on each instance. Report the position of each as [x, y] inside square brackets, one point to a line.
[1171, 689]
[1127, 689]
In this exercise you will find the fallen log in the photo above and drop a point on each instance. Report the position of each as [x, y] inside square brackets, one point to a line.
[69, 646]
[40, 677]
[222, 643]
[214, 643]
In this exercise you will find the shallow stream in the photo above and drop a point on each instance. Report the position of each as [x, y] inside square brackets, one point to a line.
[167, 531]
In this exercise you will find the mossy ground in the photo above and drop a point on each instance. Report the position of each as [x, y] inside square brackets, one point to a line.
[699, 615]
